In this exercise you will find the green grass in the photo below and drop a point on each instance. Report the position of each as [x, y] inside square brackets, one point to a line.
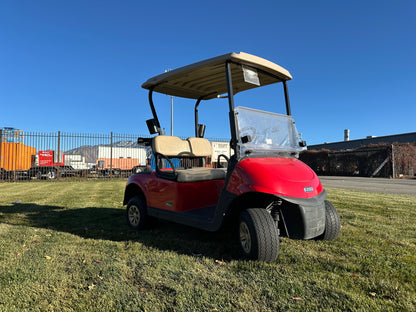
[66, 247]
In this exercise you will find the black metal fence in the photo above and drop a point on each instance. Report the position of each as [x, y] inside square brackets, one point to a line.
[59, 155]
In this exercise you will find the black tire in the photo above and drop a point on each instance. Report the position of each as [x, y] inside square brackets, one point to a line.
[258, 235]
[332, 223]
[51, 175]
[136, 213]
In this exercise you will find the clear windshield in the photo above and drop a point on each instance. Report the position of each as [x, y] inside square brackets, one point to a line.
[266, 132]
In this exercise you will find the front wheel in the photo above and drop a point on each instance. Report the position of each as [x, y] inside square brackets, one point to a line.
[136, 213]
[332, 223]
[258, 235]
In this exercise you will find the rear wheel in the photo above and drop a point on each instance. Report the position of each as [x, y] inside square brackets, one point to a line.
[332, 223]
[136, 213]
[51, 175]
[258, 235]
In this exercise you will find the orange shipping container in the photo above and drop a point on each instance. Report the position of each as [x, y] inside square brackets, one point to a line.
[120, 163]
[16, 156]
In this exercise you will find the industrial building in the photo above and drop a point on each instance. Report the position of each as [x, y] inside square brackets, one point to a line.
[385, 156]
[351, 144]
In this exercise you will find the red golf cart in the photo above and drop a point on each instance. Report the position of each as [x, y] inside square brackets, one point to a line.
[264, 189]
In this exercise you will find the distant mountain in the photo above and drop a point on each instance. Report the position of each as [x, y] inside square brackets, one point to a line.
[89, 152]
[124, 143]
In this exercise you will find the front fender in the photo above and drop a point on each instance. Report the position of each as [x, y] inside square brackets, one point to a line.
[288, 177]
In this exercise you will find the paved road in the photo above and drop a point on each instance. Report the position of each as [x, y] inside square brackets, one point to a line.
[378, 185]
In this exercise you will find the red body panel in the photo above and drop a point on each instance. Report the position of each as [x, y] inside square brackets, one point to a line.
[274, 175]
[175, 196]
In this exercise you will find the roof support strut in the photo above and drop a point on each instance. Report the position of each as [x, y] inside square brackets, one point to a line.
[152, 107]
[196, 116]
[288, 112]
[233, 123]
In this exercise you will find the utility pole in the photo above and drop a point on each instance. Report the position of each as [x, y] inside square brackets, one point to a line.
[171, 108]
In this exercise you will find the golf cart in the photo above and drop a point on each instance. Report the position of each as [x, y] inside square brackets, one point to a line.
[265, 190]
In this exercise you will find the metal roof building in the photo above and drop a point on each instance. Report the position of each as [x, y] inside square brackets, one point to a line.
[351, 144]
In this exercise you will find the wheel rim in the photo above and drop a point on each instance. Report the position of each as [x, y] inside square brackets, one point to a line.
[245, 237]
[134, 215]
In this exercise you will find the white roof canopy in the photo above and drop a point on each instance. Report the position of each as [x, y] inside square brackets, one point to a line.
[207, 79]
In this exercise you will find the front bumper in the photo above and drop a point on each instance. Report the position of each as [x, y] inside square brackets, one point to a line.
[303, 218]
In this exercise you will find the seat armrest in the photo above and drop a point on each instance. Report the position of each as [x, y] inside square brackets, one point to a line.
[165, 174]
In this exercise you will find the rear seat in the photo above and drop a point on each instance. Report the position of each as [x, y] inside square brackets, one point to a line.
[172, 146]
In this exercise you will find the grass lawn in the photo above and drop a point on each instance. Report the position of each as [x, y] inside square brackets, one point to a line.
[65, 246]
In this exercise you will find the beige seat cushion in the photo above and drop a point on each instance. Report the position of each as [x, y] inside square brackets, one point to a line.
[200, 147]
[173, 146]
[170, 146]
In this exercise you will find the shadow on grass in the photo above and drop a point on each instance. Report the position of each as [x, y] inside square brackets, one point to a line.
[111, 224]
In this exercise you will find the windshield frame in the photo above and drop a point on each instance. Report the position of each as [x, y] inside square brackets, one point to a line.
[233, 118]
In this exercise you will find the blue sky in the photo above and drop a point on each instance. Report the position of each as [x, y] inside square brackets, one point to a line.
[77, 66]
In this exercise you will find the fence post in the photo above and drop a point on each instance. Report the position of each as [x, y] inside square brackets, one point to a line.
[111, 156]
[59, 155]
[1, 153]
[393, 167]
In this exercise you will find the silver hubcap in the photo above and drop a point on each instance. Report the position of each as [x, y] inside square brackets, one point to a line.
[134, 215]
[245, 238]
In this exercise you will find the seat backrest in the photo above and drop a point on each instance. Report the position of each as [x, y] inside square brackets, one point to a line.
[200, 147]
[170, 146]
